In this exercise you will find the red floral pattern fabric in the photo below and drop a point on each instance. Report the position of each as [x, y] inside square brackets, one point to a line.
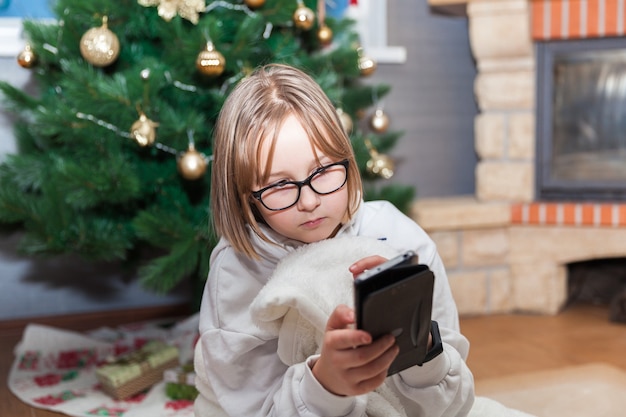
[54, 369]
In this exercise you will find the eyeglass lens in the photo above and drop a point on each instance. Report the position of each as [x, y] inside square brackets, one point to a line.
[325, 181]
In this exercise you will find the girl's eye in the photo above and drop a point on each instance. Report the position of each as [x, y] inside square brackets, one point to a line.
[321, 171]
[280, 184]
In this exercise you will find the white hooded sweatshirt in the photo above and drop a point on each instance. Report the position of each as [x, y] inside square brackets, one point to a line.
[238, 369]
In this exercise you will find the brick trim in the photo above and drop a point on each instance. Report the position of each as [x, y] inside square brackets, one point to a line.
[569, 19]
[569, 214]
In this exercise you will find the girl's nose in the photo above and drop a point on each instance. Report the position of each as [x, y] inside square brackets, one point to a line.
[309, 199]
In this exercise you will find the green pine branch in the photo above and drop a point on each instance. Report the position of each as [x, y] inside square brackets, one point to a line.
[81, 184]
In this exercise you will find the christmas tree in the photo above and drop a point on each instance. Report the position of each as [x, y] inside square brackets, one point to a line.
[114, 150]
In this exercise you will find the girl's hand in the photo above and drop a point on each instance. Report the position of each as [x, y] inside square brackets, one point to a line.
[370, 262]
[350, 363]
[366, 263]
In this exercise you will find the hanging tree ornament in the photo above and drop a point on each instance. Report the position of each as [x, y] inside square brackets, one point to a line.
[379, 121]
[210, 61]
[27, 58]
[324, 33]
[143, 131]
[367, 66]
[379, 164]
[254, 4]
[192, 164]
[303, 17]
[346, 121]
[99, 46]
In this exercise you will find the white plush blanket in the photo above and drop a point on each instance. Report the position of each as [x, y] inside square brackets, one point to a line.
[306, 287]
[302, 292]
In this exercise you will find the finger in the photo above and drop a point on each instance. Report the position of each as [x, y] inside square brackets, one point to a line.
[364, 354]
[340, 333]
[382, 361]
[376, 361]
[353, 366]
[341, 318]
[366, 263]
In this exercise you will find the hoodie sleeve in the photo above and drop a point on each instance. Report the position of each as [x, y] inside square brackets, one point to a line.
[248, 382]
[238, 370]
[445, 385]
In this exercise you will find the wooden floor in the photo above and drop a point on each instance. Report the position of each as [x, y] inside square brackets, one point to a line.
[501, 345]
[512, 344]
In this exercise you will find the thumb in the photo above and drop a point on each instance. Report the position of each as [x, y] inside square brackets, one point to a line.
[342, 317]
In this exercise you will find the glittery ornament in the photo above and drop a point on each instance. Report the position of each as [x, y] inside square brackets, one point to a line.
[192, 164]
[367, 66]
[210, 61]
[143, 130]
[379, 164]
[346, 121]
[254, 4]
[99, 46]
[325, 35]
[27, 58]
[379, 121]
[303, 17]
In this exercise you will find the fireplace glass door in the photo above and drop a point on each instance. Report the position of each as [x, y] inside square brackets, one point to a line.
[581, 119]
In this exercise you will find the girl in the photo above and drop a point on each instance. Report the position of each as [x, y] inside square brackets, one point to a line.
[284, 176]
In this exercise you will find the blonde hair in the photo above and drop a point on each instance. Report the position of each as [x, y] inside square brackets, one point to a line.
[252, 113]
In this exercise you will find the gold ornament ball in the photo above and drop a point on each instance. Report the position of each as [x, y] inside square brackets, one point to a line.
[27, 58]
[325, 35]
[254, 4]
[380, 165]
[99, 46]
[192, 165]
[379, 121]
[143, 131]
[210, 62]
[367, 66]
[346, 121]
[303, 17]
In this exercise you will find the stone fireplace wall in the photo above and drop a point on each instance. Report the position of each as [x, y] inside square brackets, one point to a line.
[505, 251]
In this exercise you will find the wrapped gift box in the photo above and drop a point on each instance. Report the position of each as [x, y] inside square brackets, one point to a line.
[131, 373]
[180, 383]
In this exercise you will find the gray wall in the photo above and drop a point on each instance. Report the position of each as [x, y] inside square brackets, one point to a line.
[431, 101]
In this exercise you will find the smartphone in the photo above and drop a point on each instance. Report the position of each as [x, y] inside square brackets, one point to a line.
[396, 297]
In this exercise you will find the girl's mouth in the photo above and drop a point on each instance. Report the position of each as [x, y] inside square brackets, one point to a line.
[313, 223]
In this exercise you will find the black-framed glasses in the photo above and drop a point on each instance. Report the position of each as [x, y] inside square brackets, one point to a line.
[284, 194]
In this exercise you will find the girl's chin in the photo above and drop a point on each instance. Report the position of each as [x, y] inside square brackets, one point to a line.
[319, 235]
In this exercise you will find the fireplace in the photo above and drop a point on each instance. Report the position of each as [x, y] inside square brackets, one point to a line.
[507, 248]
[581, 119]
